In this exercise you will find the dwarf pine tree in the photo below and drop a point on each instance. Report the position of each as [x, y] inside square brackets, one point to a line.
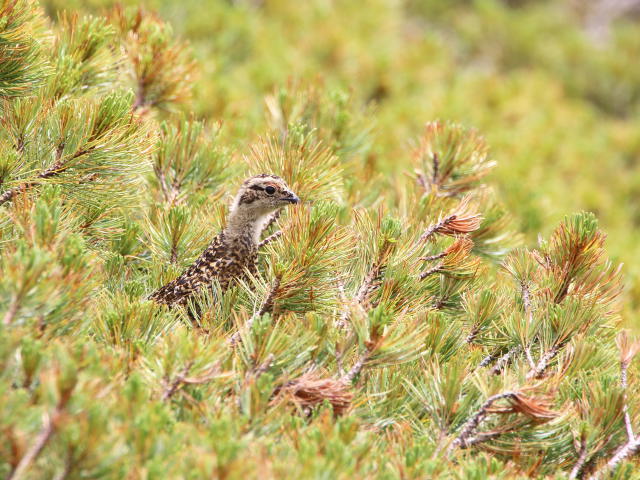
[395, 329]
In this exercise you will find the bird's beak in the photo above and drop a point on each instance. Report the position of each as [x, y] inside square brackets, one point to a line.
[292, 198]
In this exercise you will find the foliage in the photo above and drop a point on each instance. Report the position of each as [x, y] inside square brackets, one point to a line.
[397, 328]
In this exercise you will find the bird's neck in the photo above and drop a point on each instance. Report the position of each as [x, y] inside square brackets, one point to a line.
[246, 226]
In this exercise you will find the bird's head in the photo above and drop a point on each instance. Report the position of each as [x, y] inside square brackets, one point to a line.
[263, 194]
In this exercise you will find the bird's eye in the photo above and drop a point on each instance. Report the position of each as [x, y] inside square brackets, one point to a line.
[270, 190]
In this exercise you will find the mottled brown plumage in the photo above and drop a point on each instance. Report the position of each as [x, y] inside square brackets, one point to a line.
[234, 251]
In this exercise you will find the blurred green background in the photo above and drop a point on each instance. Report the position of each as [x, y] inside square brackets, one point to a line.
[553, 85]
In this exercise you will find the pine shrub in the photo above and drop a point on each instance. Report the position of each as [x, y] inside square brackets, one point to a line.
[396, 329]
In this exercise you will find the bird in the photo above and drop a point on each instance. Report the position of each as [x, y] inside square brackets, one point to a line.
[233, 253]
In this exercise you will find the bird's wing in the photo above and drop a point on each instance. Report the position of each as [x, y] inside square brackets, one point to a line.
[209, 265]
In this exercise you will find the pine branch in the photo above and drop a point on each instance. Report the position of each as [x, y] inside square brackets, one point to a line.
[364, 291]
[162, 67]
[264, 366]
[437, 256]
[486, 436]
[357, 367]
[472, 424]
[628, 350]
[433, 181]
[174, 254]
[9, 194]
[431, 271]
[627, 450]
[526, 301]
[582, 459]
[141, 101]
[627, 353]
[436, 166]
[270, 238]
[504, 360]
[12, 311]
[41, 441]
[272, 219]
[543, 363]
[488, 360]
[564, 288]
[527, 353]
[440, 303]
[266, 306]
[456, 259]
[460, 222]
[472, 336]
[454, 159]
[177, 381]
[420, 178]
[170, 192]
[367, 285]
[434, 228]
[212, 373]
[344, 314]
[480, 438]
[64, 473]
[625, 408]
[58, 167]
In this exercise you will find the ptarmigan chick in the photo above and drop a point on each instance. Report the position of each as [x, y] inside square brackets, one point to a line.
[235, 250]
